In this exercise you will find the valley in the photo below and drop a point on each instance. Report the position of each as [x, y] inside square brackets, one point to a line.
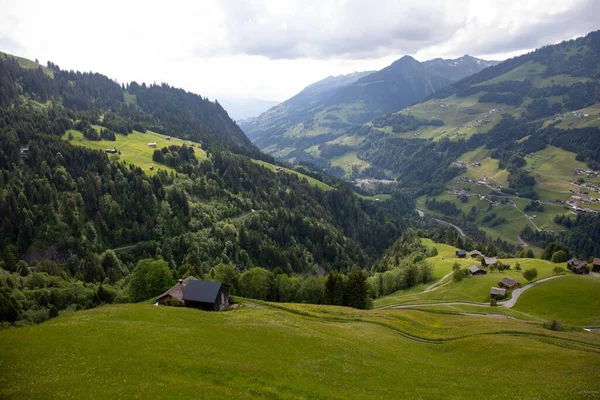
[425, 230]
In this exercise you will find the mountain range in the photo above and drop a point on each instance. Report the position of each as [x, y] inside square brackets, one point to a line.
[323, 111]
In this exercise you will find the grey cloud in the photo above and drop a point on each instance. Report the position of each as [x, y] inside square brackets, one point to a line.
[575, 22]
[9, 45]
[357, 29]
[325, 29]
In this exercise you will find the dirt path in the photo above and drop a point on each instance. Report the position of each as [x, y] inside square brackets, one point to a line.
[460, 231]
[439, 283]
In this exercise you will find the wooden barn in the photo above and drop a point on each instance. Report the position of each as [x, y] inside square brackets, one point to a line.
[509, 283]
[497, 293]
[596, 264]
[205, 295]
[477, 270]
[460, 253]
[487, 261]
[578, 267]
[475, 254]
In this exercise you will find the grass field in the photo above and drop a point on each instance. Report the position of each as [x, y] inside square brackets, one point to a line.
[347, 161]
[470, 289]
[574, 300]
[293, 352]
[134, 147]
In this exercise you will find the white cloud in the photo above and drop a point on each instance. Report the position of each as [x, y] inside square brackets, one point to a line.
[273, 48]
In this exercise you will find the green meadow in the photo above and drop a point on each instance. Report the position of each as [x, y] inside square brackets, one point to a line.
[289, 351]
[134, 147]
[574, 300]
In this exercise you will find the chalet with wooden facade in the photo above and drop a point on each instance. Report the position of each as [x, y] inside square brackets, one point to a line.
[497, 293]
[509, 283]
[578, 267]
[596, 264]
[477, 270]
[488, 261]
[205, 295]
[460, 253]
[475, 254]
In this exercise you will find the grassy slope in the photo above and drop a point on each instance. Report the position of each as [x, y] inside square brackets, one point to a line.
[553, 169]
[574, 300]
[134, 147]
[476, 288]
[292, 351]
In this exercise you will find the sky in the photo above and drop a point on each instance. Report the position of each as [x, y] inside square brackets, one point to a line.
[271, 49]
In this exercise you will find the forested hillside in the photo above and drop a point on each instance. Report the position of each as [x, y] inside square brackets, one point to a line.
[77, 225]
[514, 146]
[97, 99]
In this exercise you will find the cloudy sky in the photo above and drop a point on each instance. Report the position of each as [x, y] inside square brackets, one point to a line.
[271, 49]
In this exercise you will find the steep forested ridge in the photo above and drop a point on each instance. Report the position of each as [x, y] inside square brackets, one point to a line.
[76, 225]
[161, 108]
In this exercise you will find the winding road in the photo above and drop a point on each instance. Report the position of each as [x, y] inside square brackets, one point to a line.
[505, 304]
[460, 231]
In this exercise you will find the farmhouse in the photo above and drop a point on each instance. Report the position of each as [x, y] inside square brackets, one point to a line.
[205, 295]
[487, 261]
[497, 293]
[111, 151]
[578, 266]
[596, 264]
[509, 283]
[476, 270]
[475, 254]
[461, 253]
[152, 144]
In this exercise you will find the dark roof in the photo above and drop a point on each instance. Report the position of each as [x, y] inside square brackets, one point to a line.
[510, 282]
[460, 251]
[474, 268]
[176, 291]
[576, 263]
[596, 261]
[202, 291]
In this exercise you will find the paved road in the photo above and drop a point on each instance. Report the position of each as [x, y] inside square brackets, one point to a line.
[505, 304]
[462, 233]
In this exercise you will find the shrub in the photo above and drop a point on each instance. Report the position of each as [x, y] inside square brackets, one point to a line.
[493, 302]
[553, 325]
[530, 274]
[558, 270]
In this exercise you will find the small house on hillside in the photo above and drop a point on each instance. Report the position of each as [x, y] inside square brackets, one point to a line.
[460, 253]
[205, 295]
[488, 261]
[476, 270]
[152, 144]
[111, 151]
[475, 254]
[577, 266]
[175, 292]
[596, 264]
[509, 283]
[497, 293]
